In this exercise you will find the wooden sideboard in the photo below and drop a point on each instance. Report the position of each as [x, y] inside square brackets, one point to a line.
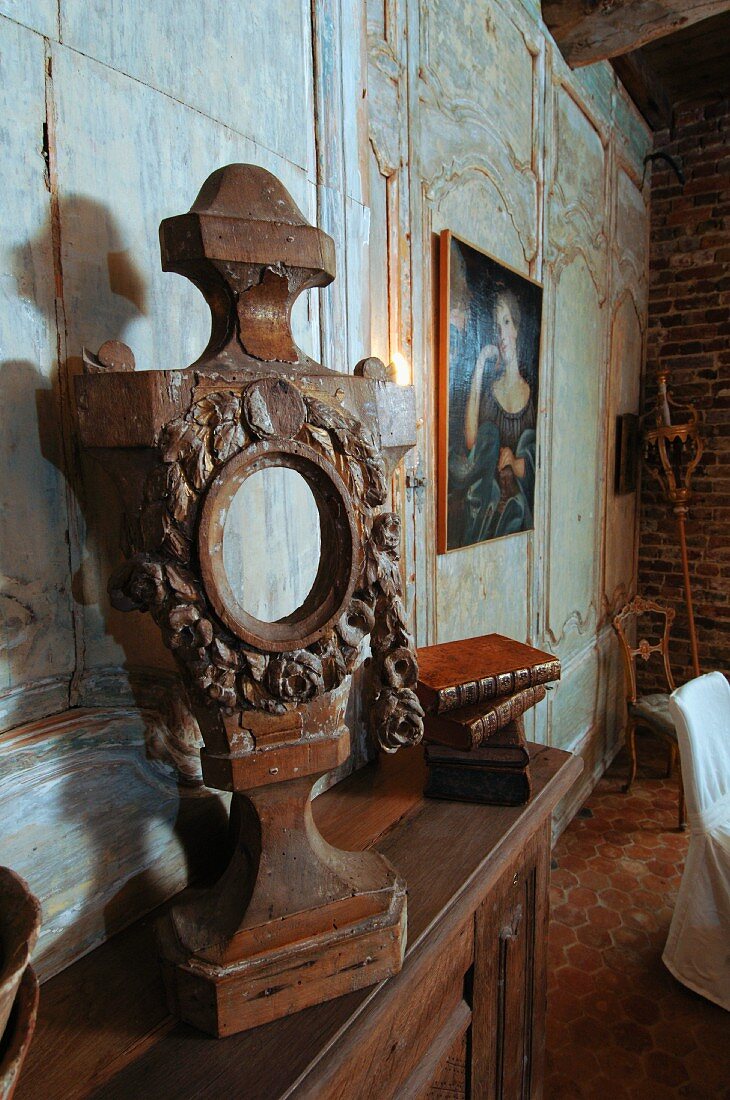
[465, 1016]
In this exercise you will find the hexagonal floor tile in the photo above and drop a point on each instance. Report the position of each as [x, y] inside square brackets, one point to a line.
[619, 1025]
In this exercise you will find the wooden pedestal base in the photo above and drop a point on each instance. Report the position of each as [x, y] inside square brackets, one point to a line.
[313, 924]
[225, 1000]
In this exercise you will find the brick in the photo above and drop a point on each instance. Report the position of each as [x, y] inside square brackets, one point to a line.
[689, 332]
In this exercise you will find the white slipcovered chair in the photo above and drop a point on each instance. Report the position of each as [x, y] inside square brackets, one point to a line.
[697, 951]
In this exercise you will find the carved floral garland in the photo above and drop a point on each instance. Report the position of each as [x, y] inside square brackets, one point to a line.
[225, 671]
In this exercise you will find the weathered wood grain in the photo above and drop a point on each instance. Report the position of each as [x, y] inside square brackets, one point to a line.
[58, 779]
[37, 15]
[645, 87]
[587, 33]
[35, 588]
[204, 69]
[443, 1072]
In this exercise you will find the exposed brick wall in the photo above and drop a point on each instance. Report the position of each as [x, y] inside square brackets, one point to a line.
[689, 334]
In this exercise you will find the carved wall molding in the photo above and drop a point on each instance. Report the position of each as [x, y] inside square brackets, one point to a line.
[58, 778]
[174, 740]
[461, 170]
[469, 145]
[577, 621]
[629, 246]
[33, 701]
[558, 260]
[385, 89]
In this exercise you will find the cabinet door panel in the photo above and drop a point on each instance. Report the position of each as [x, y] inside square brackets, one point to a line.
[510, 980]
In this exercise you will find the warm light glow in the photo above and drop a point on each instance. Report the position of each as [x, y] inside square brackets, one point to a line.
[401, 369]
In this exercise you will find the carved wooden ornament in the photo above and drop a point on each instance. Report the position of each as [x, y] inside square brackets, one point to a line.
[292, 921]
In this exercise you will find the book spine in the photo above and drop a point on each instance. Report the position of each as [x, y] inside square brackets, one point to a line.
[491, 786]
[514, 758]
[479, 691]
[504, 713]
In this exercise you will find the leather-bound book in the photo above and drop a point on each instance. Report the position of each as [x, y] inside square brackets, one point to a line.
[474, 777]
[473, 671]
[475, 726]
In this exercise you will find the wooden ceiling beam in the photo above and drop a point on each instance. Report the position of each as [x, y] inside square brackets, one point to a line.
[645, 88]
[587, 31]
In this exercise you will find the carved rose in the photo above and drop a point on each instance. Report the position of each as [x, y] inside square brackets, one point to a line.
[396, 719]
[390, 630]
[357, 621]
[399, 668]
[334, 662]
[386, 532]
[187, 630]
[137, 585]
[296, 676]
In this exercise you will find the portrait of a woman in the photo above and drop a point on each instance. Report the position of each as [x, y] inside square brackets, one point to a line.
[492, 391]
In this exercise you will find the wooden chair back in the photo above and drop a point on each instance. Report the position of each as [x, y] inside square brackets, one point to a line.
[632, 612]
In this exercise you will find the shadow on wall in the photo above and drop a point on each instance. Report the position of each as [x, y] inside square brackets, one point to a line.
[123, 834]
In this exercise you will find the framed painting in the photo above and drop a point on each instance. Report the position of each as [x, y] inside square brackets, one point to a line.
[488, 387]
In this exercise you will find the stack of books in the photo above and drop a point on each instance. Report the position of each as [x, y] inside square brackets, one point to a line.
[474, 693]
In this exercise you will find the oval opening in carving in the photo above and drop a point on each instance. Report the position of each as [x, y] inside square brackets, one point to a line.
[272, 543]
[308, 608]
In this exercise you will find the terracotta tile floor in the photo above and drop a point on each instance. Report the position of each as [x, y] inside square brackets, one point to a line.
[619, 1025]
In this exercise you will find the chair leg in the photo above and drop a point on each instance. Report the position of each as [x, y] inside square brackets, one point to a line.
[682, 807]
[671, 758]
[631, 746]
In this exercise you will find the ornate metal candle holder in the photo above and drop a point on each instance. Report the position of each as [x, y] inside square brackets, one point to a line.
[672, 448]
[292, 921]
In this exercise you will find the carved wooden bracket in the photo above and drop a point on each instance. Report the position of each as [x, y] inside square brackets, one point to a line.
[269, 696]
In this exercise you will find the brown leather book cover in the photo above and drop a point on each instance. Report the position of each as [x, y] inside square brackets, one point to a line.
[470, 672]
[505, 749]
[474, 727]
[491, 786]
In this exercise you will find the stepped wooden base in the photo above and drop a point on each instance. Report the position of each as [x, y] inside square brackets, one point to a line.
[290, 923]
[223, 1000]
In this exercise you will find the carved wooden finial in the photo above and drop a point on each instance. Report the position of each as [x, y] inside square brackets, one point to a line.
[250, 251]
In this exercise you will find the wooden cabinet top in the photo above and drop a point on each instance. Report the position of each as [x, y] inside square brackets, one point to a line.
[103, 1024]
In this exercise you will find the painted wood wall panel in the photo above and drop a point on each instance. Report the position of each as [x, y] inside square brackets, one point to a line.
[576, 701]
[480, 69]
[38, 15]
[536, 190]
[477, 162]
[35, 588]
[198, 54]
[621, 518]
[630, 241]
[574, 447]
[143, 158]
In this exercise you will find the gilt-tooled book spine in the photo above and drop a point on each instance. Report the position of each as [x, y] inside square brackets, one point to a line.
[469, 730]
[479, 691]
